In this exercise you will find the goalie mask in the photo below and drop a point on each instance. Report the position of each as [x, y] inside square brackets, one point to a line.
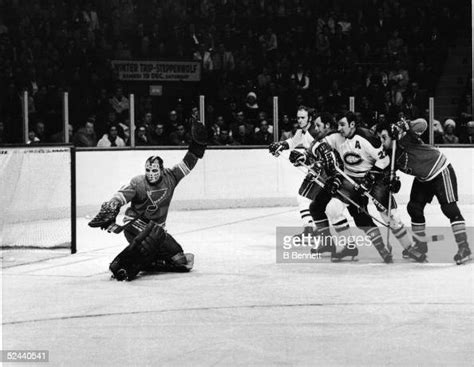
[153, 169]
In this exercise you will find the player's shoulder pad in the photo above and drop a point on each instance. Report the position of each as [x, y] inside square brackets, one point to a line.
[369, 136]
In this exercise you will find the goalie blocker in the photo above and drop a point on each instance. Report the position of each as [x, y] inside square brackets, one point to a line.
[151, 247]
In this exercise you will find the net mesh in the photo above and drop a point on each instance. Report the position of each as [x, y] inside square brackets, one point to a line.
[35, 197]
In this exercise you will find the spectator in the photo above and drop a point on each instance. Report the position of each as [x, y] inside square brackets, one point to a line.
[111, 139]
[180, 136]
[223, 138]
[141, 137]
[242, 135]
[158, 136]
[85, 136]
[264, 134]
[468, 138]
[59, 136]
[251, 106]
[119, 103]
[449, 137]
[32, 138]
[438, 132]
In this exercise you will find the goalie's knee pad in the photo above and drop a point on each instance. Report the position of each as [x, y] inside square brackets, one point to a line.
[335, 211]
[416, 211]
[451, 210]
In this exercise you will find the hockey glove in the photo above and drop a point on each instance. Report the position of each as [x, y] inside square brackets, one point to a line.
[199, 139]
[106, 216]
[394, 185]
[298, 158]
[332, 184]
[275, 148]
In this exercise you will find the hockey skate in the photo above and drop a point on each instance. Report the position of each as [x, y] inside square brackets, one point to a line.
[386, 255]
[346, 252]
[414, 253]
[323, 249]
[419, 246]
[307, 236]
[463, 255]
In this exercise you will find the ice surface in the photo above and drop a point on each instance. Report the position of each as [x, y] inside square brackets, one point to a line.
[238, 307]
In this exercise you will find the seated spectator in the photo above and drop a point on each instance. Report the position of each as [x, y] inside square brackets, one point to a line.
[264, 134]
[39, 130]
[59, 136]
[141, 137]
[242, 135]
[468, 138]
[449, 137]
[32, 138]
[223, 138]
[85, 136]
[438, 132]
[180, 136]
[124, 131]
[111, 139]
[158, 136]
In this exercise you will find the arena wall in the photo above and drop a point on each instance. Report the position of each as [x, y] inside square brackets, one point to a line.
[225, 178]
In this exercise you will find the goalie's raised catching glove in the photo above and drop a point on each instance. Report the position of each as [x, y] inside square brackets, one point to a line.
[106, 216]
[199, 139]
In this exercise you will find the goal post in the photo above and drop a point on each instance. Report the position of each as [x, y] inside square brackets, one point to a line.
[38, 197]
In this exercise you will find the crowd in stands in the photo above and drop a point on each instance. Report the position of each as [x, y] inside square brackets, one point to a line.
[389, 54]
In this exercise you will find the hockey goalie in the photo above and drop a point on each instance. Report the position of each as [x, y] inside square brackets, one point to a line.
[151, 247]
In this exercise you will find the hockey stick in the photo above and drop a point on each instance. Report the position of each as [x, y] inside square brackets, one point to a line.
[117, 228]
[389, 209]
[341, 194]
[382, 208]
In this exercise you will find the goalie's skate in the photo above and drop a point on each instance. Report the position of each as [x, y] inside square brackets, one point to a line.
[463, 255]
[346, 252]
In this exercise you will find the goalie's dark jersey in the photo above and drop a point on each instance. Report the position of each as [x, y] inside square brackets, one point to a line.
[418, 159]
[153, 201]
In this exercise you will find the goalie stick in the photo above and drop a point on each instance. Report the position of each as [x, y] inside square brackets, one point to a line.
[117, 228]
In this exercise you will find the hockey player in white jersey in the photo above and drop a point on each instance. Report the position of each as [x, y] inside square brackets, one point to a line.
[303, 137]
[364, 157]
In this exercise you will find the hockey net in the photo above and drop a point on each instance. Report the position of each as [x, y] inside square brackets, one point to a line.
[35, 197]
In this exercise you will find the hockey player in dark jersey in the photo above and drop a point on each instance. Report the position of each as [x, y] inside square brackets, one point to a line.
[151, 247]
[434, 176]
